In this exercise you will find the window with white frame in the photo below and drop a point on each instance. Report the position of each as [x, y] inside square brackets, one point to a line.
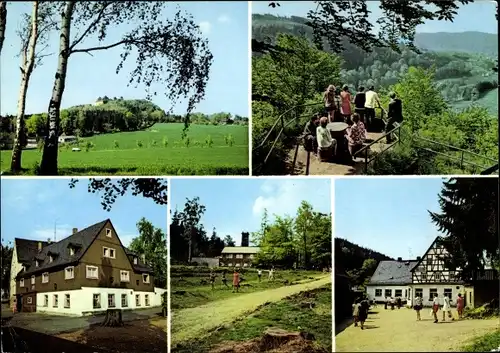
[36, 263]
[124, 276]
[29, 300]
[96, 301]
[21, 282]
[67, 301]
[55, 301]
[135, 260]
[137, 300]
[448, 292]
[111, 301]
[146, 299]
[398, 293]
[433, 292]
[230, 264]
[71, 251]
[108, 252]
[92, 272]
[69, 272]
[145, 278]
[46, 300]
[388, 293]
[419, 292]
[239, 256]
[45, 277]
[229, 256]
[124, 301]
[251, 256]
[32, 279]
[378, 292]
[108, 232]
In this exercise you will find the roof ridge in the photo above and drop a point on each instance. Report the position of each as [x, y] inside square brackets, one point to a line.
[73, 235]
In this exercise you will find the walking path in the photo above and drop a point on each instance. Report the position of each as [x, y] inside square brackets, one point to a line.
[191, 323]
[398, 331]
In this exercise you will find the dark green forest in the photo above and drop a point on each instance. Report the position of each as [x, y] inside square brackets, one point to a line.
[448, 97]
[109, 115]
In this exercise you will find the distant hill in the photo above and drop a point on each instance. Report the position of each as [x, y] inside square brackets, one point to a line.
[349, 256]
[467, 42]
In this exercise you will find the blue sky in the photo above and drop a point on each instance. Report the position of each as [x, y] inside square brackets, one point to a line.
[236, 205]
[225, 24]
[387, 215]
[30, 207]
[478, 16]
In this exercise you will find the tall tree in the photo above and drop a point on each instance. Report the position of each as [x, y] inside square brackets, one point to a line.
[191, 216]
[469, 220]
[152, 188]
[170, 52]
[6, 257]
[3, 22]
[303, 224]
[34, 31]
[277, 246]
[228, 241]
[152, 243]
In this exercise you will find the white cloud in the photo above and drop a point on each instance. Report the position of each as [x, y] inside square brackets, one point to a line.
[283, 197]
[205, 27]
[223, 19]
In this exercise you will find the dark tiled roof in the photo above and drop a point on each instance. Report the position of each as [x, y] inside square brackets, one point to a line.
[85, 237]
[393, 272]
[26, 249]
[142, 268]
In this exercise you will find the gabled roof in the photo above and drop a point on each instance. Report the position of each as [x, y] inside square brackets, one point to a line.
[240, 250]
[26, 249]
[85, 237]
[393, 272]
[425, 254]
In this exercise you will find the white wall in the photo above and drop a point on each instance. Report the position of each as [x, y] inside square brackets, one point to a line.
[371, 289]
[440, 290]
[82, 300]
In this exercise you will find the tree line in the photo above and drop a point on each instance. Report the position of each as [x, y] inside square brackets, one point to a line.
[170, 51]
[303, 241]
[189, 238]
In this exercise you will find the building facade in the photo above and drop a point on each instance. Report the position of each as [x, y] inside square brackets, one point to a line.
[238, 256]
[87, 272]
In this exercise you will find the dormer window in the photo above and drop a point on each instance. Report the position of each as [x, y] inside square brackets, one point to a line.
[32, 279]
[135, 261]
[108, 232]
[71, 251]
[145, 278]
[36, 263]
[51, 258]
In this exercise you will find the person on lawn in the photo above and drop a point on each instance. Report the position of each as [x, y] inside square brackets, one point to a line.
[236, 280]
[460, 306]
[271, 274]
[259, 274]
[418, 306]
[435, 309]
[224, 279]
[212, 279]
[446, 308]
[363, 313]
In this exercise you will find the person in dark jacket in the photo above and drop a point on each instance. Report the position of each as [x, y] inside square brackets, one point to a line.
[310, 142]
[395, 114]
[359, 103]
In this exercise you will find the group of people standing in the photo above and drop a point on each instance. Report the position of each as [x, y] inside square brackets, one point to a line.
[339, 106]
[436, 306]
[237, 278]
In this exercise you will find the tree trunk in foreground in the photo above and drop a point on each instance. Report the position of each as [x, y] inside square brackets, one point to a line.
[48, 165]
[3, 22]
[28, 63]
[113, 318]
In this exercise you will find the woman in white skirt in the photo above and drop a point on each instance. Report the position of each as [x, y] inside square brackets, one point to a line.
[446, 307]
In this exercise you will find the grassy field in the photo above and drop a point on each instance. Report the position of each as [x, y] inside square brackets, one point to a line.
[157, 151]
[484, 343]
[188, 290]
[288, 314]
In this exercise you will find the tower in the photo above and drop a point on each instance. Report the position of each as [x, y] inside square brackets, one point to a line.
[245, 239]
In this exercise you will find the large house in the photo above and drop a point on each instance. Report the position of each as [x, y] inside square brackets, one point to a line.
[429, 277]
[84, 273]
[238, 256]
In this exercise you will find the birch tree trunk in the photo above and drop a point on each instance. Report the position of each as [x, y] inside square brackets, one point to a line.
[48, 165]
[27, 65]
[3, 22]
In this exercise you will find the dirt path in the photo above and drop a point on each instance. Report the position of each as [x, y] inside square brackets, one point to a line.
[398, 331]
[192, 323]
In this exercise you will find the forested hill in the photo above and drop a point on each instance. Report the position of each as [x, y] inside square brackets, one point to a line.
[467, 42]
[350, 256]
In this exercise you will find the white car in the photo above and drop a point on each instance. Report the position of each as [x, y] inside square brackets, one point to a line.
[75, 149]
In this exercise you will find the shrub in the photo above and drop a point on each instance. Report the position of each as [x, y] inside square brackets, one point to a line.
[89, 145]
[116, 144]
[138, 143]
[153, 143]
[187, 141]
[165, 142]
[209, 142]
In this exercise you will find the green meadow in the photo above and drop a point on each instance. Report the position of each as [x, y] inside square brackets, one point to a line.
[160, 150]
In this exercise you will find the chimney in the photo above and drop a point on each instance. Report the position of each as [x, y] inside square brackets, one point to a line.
[75, 230]
[39, 246]
[400, 259]
[245, 239]
[418, 258]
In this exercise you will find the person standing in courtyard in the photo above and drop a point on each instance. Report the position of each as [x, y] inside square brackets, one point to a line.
[224, 279]
[392, 302]
[355, 312]
[418, 306]
[460, 306]
[446, 307]
[359, 103]
[259, 274]
[386, 301]
[236, 281]
[435, 308]
[363, 313]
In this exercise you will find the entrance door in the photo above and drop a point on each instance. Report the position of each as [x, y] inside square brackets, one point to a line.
[19, 302]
